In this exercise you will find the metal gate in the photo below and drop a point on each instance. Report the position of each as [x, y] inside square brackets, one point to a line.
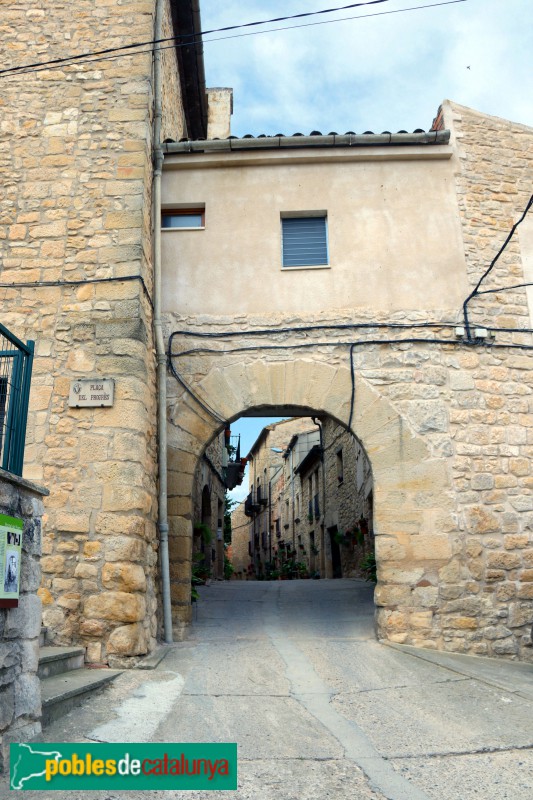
[16, 359]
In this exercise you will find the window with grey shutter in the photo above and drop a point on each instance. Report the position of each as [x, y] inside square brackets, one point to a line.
[304, 241]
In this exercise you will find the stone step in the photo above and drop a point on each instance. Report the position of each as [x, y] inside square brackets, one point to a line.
[42, 636]
[61, 693]
[57, 660]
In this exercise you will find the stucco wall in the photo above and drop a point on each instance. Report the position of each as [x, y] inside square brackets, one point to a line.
[393, 233]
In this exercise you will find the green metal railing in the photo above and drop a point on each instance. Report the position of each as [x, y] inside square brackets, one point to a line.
[16, 359]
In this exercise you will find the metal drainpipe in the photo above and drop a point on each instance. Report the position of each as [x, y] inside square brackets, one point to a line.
[158, 330]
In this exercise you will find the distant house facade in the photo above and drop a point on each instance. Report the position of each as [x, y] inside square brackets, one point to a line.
[316, 520]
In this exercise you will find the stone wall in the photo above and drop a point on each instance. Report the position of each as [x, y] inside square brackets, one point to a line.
[76, 160]
[265, 467]
[209, 483]
[240, 538]
[446, 424]
[348, 495]
[20, 691]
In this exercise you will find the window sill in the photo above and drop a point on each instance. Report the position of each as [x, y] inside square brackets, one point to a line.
[310, 266]
[173, 230]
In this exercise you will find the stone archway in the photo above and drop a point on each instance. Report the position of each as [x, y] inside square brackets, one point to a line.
[411, 486]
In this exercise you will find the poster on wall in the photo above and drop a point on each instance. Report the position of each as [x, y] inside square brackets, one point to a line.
[10, 554]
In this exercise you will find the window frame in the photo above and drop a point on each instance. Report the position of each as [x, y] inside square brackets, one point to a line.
[304, 215]
[188, 211]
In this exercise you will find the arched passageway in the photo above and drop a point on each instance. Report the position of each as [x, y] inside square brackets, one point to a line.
[411, 491]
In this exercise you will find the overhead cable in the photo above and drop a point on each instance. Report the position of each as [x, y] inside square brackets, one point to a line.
[476, 291]
[194, 39]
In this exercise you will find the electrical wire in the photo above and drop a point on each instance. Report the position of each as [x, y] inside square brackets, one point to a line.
[341, 326]
[87, 58]
[194, 35]
[475, 291]
[305, 328]
[411, 340]
[506, 289]
[206, 407]
[363, 342]
[81, 282]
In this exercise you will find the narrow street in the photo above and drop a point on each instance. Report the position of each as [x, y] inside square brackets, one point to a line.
[291, 671]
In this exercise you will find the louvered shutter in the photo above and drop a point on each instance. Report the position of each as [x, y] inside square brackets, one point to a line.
[304, 241]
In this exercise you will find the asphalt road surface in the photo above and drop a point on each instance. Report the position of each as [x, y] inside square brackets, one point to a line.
[292, 672]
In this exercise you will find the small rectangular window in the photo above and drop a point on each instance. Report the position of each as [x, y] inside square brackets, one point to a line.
[183, 218]
[304, 241]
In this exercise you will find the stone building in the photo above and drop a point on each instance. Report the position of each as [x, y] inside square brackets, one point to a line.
[368, 326]
[316, 509]
[240, 542]
[209, 492]
[271, 502]
[347, 502]
[344, 262]
[78, 157]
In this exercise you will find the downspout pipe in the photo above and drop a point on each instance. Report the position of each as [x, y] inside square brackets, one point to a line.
[162, 523]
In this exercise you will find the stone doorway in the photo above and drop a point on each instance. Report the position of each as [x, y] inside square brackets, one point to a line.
[411, 484]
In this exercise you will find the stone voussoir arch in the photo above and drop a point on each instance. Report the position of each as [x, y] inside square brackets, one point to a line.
[411, 486]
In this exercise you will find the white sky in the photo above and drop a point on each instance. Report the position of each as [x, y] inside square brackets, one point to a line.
[387, 72]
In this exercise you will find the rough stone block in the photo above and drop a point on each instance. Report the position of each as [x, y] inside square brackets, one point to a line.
[92, 550]
[503, 560]
[505, 647]
[464, 623]
[7, 705]
[389, 548]
[123, 548]
[392, 595]
[124, 577]
[72, 523]
[92, 627]
[515, 541]
[30, 574]
[426, 547]
[425, 596]
[28, 696]
[24, 621]
[128, 640]
[120, 606]
[482, 481]
[111, 523]
[9, 655]
[126, 498]
[481, 521]
[520, 614]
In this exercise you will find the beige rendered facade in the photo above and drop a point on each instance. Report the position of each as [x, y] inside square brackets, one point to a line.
[444, 419]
